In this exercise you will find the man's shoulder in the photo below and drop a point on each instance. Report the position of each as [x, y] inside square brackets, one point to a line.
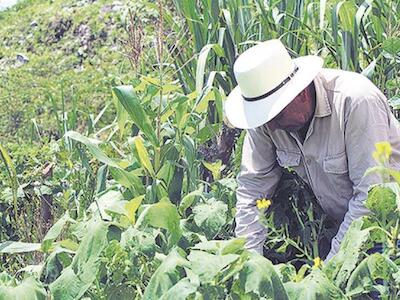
[349, 86]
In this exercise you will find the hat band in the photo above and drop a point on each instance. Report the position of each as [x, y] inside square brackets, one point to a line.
[286, 80]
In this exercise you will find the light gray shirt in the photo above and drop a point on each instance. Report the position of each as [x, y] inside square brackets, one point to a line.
[351, 115]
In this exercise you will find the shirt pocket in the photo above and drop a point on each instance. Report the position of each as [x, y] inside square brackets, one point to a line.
[288, 159]
[338, 181]
[336, 164]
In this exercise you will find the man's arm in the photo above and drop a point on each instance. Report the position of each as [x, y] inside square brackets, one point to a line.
[258, 177]
[367, 123]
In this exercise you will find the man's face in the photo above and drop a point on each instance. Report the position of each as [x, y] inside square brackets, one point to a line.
[297, 114]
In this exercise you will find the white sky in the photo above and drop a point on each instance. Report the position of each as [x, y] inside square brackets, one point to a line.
[6, 3]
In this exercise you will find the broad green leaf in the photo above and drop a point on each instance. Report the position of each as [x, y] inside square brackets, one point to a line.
[166, 276]
[79, 276]
[207, 266]
[127, 96]
[143, 155]
[259, 277]
[339, 267]
[207, 132]
[18, 247]
[188, 200]
[180, 291]
[383, 200]
[232, 246]
[211, 216]
[392, 45]
[375, 266]
[162, 214]
[58, 260]
[28, 289]
[111, 201]
[54, 231]
[315, 286]
[91, 144]
[128, 179]
[286, 272]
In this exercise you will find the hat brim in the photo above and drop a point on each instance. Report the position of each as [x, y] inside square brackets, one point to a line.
[251, 114]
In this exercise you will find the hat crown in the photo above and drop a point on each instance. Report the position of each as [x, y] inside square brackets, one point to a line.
[262, 68]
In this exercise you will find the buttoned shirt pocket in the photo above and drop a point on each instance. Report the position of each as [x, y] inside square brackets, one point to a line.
[336, 164]
[337, 172]
[288, 159]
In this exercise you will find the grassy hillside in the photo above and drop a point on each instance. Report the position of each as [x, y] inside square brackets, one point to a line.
[55, 51]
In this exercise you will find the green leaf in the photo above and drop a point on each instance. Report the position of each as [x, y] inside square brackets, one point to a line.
[339, 267]
[375, 266]
[28, 289]
[207, 266]
[91, 144]
[162, 215]
[18, 247]
[166, 276]
[127, 96]
[129, 180]
[79, 276]
[369, 70]
[394, 102]
[210, 216]
[347, 14]
[202, 61]
[12, 174]
[232, 246]
[181, 291]
[54, 232]
[215, 168]
[315, 286]
[122, 116]
[392, 45]
[188, 200]
[143, 155]
[383, 200]
[258, 276]
[131, 208]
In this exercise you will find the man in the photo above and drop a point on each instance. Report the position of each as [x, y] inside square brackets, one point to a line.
[322, 123]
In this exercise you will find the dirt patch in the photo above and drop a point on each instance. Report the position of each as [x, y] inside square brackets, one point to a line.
[57, 28]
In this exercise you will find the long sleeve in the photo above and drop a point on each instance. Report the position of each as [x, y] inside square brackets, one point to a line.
[258, 177]
[367, 122]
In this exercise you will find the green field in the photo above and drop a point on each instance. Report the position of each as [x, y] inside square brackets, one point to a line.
[117, 171]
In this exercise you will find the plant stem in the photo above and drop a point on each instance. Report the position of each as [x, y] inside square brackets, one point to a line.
[159, 48]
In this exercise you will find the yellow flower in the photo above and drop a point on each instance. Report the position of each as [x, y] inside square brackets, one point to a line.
[317, 262]
[383, 151]
[263, 203]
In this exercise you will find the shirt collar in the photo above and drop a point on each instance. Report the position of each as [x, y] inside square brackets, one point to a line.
[322, 107]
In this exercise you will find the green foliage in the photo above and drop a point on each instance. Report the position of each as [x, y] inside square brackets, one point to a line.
[28, 289]
[382, 202]
[145, 202]
[314, 287]
[78, 277]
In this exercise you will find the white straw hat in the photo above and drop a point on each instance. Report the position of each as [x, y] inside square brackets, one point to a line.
[268, 80]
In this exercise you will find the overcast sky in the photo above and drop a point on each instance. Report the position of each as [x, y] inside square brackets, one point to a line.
[6, 3]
